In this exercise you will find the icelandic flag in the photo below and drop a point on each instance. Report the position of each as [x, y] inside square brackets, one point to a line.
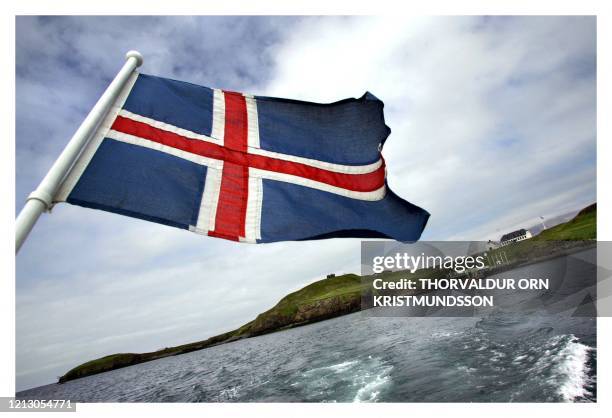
[241, 167]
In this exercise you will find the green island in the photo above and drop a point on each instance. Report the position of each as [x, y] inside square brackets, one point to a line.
[341, 295]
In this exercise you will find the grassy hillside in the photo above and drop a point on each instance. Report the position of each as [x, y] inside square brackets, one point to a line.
[335, 296]
[320, 300]
[582, 227]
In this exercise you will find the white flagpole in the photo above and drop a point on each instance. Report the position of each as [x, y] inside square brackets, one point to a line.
[41, 199]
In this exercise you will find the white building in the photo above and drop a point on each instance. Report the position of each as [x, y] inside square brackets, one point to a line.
[515, 236]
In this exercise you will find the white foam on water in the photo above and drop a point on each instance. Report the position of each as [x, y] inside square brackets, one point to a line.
[518, 359]
[336, 368]
[497, 355]
[339, 368]
[372, 385]
[229, 394]
[573, 368]
[466, 369]
[363, 377]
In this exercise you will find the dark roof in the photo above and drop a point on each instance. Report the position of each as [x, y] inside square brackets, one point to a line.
[514, 234]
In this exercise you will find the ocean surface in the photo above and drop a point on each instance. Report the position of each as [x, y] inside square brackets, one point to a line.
[502, 356]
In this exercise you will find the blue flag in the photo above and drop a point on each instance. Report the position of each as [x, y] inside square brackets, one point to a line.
[241, 167]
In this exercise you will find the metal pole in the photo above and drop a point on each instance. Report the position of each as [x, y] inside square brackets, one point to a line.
[41, 199]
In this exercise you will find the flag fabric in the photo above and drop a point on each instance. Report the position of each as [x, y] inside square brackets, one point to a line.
[241, 167]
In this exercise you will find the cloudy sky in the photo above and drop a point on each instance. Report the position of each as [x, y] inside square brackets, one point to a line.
[493, 125]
